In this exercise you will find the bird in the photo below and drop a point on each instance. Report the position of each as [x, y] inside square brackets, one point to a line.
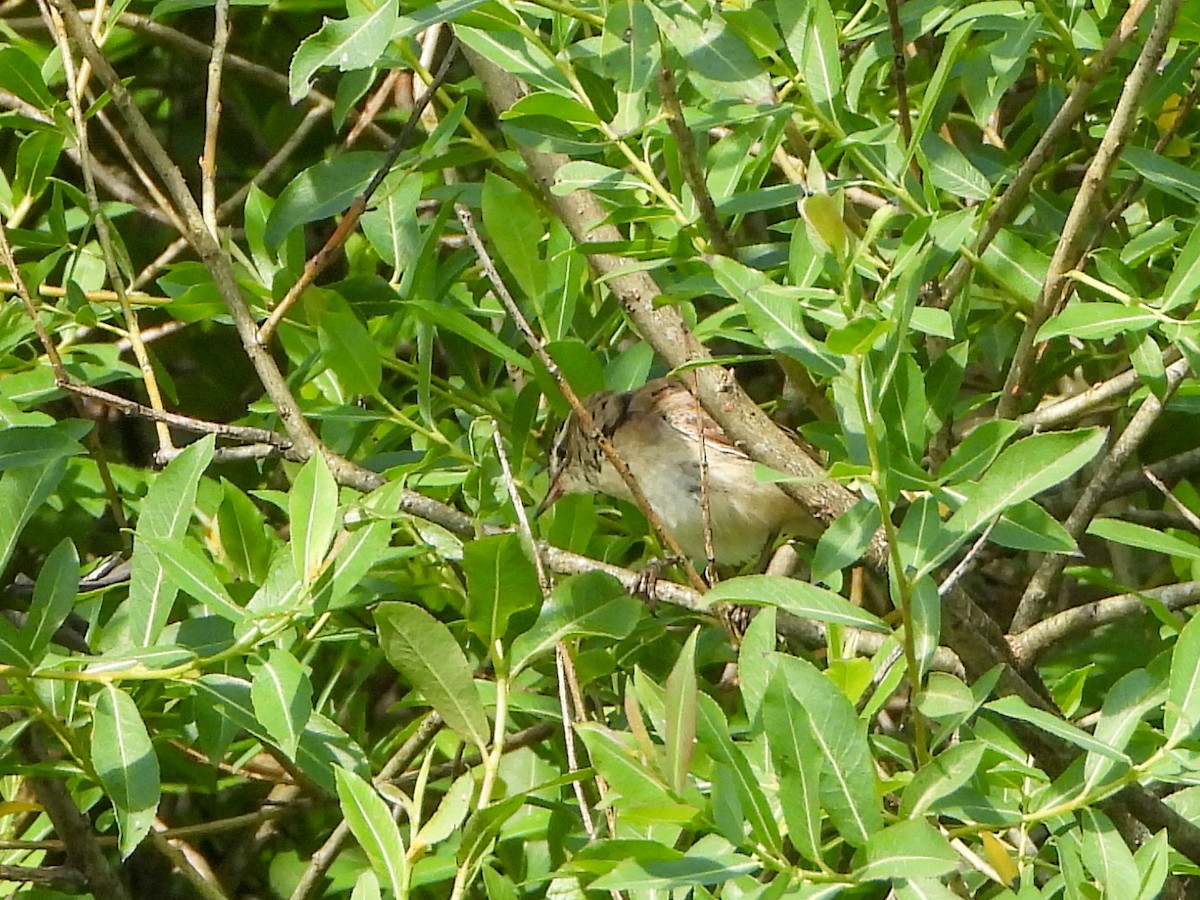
[657, 430]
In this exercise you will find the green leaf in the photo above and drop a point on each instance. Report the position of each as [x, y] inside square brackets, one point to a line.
[798, 598]
[1142, 537]
[456, 323]
[53, 596]
[712, 732]
[1015, 708]
[589, 605]
[774, 315]
[194, 573]
[912, 849]
[847, 782]
[630, 54]
[282, 698]
[699, 866]
[22, 491]
[20, 75]
[515, 228]
[371, 823]
[798, 760]
[501, 582]
[946, 59]
[926, 622]
[391, 222]
[951, 171]
[165, 514]
[810, 32]
[447, 819]
[37, 156]
[1172, 178]
[716, 58]
[349, 352]
[1021, 472]
[243, 535]
[424, 651]
[1096, 320]
[1184, 281]
[586, 175]
[1012, 262]
[320, 191]
[126, 765]
[753, 667]
[978, 450]
[680, 706]
[1181, 715]
[22, 446]
[313, 513]
[355, 42]
[1151, 859]
[1027, 526]
[1106, 856]
[942, 775]
[514, 53]
[323, 746]
[366, 887]
[1125, 704]
[615, 758]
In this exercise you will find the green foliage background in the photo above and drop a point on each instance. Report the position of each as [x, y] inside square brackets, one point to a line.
[954, 244]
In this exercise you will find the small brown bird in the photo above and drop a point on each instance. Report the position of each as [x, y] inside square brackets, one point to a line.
[657, 431]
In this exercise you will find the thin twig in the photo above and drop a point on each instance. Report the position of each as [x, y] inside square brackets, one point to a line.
[1191, 517]
[116, 279]
[349, 221]
[196, 870]
[187, 423]
[899, 71]
[212, 116]
[964, 564]
[689, 161]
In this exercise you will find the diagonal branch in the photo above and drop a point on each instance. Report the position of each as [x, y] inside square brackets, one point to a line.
[665, 330]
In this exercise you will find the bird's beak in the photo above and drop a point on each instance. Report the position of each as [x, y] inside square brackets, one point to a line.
[552, 494]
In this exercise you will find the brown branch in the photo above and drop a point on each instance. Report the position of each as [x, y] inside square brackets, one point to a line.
[188, 863]
[60, 878]
[212, 115]
[899, 74]
[1076, 105]
[1044, 583]
[1081, 220]
[689, 161]
[1056, 413]
[1030, 645]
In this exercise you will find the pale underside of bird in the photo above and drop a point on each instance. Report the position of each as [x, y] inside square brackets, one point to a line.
[657, 431]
